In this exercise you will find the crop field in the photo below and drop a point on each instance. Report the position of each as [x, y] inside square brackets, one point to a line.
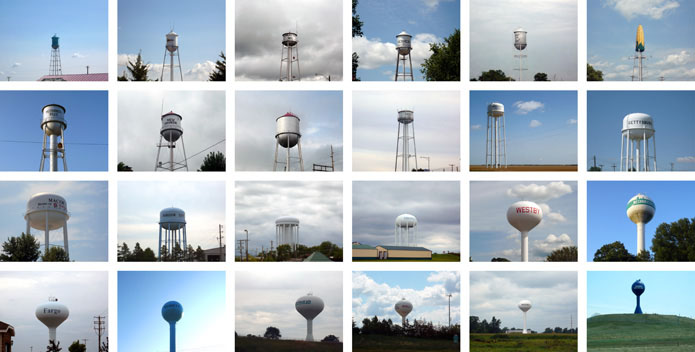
[523, 343]
[381, 343]
[640, 332]
[531, 168]
[257, 344]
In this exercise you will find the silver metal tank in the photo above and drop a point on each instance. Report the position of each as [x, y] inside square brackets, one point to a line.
[172, 41]
[171, 126]
[405, 116]
[520, 39]
[403, 43]
[289, 39]
[287, 130]
[495, 110]
[53, 121]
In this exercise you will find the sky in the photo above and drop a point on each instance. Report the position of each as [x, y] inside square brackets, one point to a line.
[541, 126]
[376, 293]
[669, 44]
[82, 27]
[143, 25]
[267, 298]
[139, 123]
[318, 205]
[607, 220]
[258, 38]
[87, 203]
[84, 293]
[665, 292]
[492, 236]
[321, 125]
[553, 296]
[551, 28]
[428, 21]
[436, 205]
[672, 112]
[139, 204]
[141, 295]
[86, 135]
[375, 124]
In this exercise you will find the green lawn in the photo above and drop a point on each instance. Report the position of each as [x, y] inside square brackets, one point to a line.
[257, 344]
[640, 332]
[524, 343]
[381, 343]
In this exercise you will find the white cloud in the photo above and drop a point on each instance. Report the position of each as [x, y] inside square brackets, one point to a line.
[16, 64]
[541, 248]
[77, 56]
[540, 192]
[374, 53]
[634, 8]
[524, 107]
[534, 123]
[549, 215]
[572, 121]
[432, 5]
[686, 159]
[476, 127]
[200, 71]
[681, 58]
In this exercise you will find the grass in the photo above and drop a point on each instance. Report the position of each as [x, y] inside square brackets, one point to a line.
[640, 332]
[523, 343]
[380, 343]
[257, 344]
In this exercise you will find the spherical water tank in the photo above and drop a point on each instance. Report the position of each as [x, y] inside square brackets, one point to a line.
[46, 210]
[172, 218]
[495, 110]
[638, 288]
[406, 221]
[172, 41]
[309, 306]
[403, 43]
[52, 313]
[289, 39]
[520, 39]
[640, 125]
[640, 209]
[524, 215]
[172, 311]
[287, 220]
[405, 116]
[171, 126]
[287, 130]
[525, 305]
[55, 42]
[403, 307]
[53, 121]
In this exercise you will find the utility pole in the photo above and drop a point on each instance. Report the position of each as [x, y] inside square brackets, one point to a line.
[671, 166]
[428, 161]
[247, 244]
[99, 327]
[449, 309]
[220, 239]
[452, 167]
[613, 167]
[594, 161]
[241, 250]
[332, 161]
[85, 344]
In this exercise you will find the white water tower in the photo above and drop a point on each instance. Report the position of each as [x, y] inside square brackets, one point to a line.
[287, 135]
[403, 49]
[173, 222]
[309, 307]
[406, 230]
[638, 129]
[640, 210]
[171, 131]
[289, 57]
[406, 135]
[496, 137]
[52, 314]
[53, 125]
[525, 305]
[403, 308]
[46, 212]
[520, 45]
[172, 48]
[172, 312]
[524, 216]
[287, 231]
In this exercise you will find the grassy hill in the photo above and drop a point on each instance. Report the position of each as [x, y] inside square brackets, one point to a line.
[648, 332]
[523, 342]
[257, 344]
[380, 343]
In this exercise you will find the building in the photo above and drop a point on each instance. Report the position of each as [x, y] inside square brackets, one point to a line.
[6, 334]
[216, 254]
[515, 331]
[363, 252]
[403, 253]
[82, 77]
[317, 257]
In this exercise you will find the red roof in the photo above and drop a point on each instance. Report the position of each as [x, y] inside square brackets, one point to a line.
[84, 77]
[289, 114]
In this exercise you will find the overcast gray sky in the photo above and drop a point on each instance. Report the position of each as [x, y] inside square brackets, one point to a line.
[139, 122]
[258, 40]
[84, 293]
[317, 204]
[551, 28]
[267, 298]
[375, 128]
[553, 296]
[321, 125]
[376, 204]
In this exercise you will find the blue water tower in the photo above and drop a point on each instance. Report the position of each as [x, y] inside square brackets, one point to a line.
[54, 42]
[638, 290]
[172, 312]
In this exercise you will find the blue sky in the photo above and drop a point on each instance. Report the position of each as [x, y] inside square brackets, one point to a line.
[376, 293]
[668, 28]
[672, 112]
[141, 295]
[666, 292]
[541, 126]
[87, 203]
[86, 136]
[142, 25]
[428, 21]
[29, 25]
[607, 221]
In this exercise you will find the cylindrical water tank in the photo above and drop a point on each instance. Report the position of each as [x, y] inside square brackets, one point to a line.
[172, 41]
[405, 116]
[520, 39]
[55, 42]
[495, 110]
[406, 221]
[46, 210]
[403, 43]
[172, 218]
[287, 130]
[53, 121]
[289, 39]
[640, 125]
[287, 220]
[171, 126]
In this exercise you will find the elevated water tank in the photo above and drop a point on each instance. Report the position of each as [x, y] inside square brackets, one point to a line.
[287, 130]
[640, 125]
[53, 121]
[405, 116]
[520, 39]
[403, 43]
[289, 39]
[172, 218]
[495, 110]
[46, 210]
[406, 221]
[171, 126]
[172, 41]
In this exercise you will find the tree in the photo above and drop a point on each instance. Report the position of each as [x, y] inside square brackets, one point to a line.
[77, 347]
[499, 259]
[356, 32]
[564, 254]
[138, 69]
[55, 254]
[164, 254]
[137, 252]
[330, 338]
[123, 167]
[548, 331]
[594, 168]
[675, 241]
[445, 62]
[593, 74]
[24, 248]
[104, 345]
[199, 254]
[540, 76]
[557, 330]
[53, 346]
[219, 74]
[493, 75]
[148, 255]
[124, 254]
[355, 65]
[272, 333]
[613, 252]
[284, 252]
[644, 256]
[214, 161]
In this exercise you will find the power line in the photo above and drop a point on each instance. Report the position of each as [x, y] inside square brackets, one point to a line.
[190, 157]
[33, 142]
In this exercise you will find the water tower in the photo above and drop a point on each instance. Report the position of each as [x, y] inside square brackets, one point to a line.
[55, 68]
[524, 216]
[520, 45]
[171, 131]
[172, 312]
[287, 231]
[309, 307]
[638, 129]
[172, 48]
[53, 125]
[290, 44]
[287, 135]
[640, 209]
[405, 118]
[46, 212]
[173, 222]
[525, 305]
[495, 140]
[639, 54]
[638, 290]
[403, 308]
[52, 314]
[406, 228]
[403, 49]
